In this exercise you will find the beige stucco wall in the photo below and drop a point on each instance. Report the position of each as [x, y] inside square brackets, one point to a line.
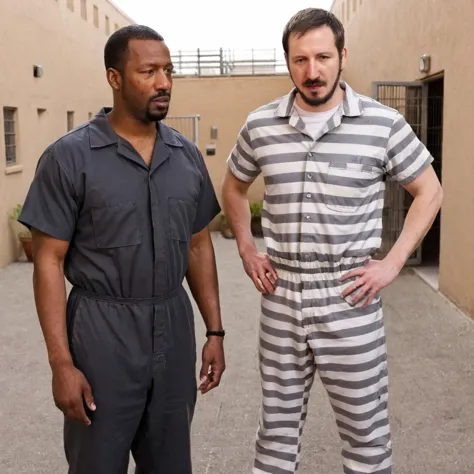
[385, 40]
[225, 102]
[70, 49]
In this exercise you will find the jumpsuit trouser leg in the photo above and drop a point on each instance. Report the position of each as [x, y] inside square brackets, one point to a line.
[139, 358]
[306, 327]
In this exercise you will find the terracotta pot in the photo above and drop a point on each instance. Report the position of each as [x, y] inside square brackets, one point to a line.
[27, 244]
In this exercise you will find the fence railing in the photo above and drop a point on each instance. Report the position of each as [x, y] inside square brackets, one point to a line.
[201, 62]
[188, 125]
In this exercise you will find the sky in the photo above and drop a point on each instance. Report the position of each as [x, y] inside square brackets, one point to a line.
[211, 24]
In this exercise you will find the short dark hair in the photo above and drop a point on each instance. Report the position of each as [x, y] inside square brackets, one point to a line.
[309, 19]
[116, 48]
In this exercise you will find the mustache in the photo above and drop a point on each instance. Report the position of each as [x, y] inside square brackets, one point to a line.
[161, 94]
[311, 83]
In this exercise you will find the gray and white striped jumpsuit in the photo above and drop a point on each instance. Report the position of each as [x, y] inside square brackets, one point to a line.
[322, 216]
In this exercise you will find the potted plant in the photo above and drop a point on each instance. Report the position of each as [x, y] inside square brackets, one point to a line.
[226, 231]
[23, 234]
[256, 218]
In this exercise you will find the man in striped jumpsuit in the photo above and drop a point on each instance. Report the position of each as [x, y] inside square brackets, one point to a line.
[325, 152]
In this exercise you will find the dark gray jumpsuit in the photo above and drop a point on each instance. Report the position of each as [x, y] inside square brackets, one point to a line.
[130, 321]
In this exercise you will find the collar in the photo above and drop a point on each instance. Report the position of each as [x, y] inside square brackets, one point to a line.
[101, 133]
[351, 103]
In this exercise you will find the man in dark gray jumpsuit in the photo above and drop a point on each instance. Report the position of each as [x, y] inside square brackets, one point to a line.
[120, 206]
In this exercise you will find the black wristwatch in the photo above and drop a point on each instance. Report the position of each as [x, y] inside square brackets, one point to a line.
[215, 333]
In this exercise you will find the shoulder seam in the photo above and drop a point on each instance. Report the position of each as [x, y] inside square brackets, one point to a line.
[58, 162]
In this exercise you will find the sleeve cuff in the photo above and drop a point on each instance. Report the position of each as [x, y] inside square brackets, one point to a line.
[408, 179]
[238, 174]
[45, 229]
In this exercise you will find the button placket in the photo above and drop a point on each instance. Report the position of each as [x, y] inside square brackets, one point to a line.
[307, 206]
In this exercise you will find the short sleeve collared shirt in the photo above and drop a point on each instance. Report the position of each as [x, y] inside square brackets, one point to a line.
[129, 225]
[324, 195]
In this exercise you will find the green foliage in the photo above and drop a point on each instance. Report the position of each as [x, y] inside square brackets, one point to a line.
[16, 212]
[256, 209]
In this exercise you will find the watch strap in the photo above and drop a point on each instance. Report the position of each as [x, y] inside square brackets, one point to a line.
[215, 333]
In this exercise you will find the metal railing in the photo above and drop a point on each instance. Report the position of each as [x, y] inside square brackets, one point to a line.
[188, 125]
[201, 62]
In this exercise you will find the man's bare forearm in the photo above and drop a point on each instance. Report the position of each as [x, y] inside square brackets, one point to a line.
[237, 212]
[418, 221]
[50, 298]
[203, 282]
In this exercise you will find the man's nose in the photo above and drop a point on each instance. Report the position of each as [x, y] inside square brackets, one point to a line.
[162, 81]
[313, 71]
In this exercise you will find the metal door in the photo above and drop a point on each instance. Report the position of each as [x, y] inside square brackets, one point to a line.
[409, 98]
[188, 125]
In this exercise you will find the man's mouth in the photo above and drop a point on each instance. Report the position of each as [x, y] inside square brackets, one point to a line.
[163, 100]
[314, 86]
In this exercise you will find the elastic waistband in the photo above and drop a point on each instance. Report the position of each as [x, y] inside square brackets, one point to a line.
[126, 301]
[315, 268]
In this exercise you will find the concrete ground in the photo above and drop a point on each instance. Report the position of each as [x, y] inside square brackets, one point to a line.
[431, 363]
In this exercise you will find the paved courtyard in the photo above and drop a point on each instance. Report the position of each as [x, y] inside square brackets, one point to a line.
[431, 364]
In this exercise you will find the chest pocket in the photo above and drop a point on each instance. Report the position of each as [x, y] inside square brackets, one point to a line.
[349, 186]
[181, 218]
[116, 226]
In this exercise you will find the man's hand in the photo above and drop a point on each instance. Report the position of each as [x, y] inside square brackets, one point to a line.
[260, 270]
[213, 364]
[373, 276]
[70, 389]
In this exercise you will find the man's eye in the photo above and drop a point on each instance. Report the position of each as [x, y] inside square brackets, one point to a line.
[148, 71]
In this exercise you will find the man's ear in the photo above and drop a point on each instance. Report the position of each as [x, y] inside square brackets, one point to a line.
[114, 79]
[343, 58]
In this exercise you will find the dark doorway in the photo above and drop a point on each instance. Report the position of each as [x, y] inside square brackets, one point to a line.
[434, 143]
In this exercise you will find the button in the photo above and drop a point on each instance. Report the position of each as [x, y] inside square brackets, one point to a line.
[310, 175]
[308, 196]
[308, 218]
[310, 154]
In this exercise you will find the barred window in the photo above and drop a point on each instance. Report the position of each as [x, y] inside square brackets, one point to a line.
[9, 125]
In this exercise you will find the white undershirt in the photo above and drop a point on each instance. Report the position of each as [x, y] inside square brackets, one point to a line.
[315, 121]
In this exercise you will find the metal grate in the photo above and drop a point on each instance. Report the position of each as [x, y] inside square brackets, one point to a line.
[9, 124]
[188, 125]
[407, 98]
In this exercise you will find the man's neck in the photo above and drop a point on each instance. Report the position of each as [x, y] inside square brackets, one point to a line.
[127, 126]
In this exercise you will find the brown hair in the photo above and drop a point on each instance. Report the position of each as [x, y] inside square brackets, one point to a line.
[309, 19]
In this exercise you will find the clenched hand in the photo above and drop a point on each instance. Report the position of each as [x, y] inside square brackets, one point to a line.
[213, 364]
[70, 390]
[260, 270]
